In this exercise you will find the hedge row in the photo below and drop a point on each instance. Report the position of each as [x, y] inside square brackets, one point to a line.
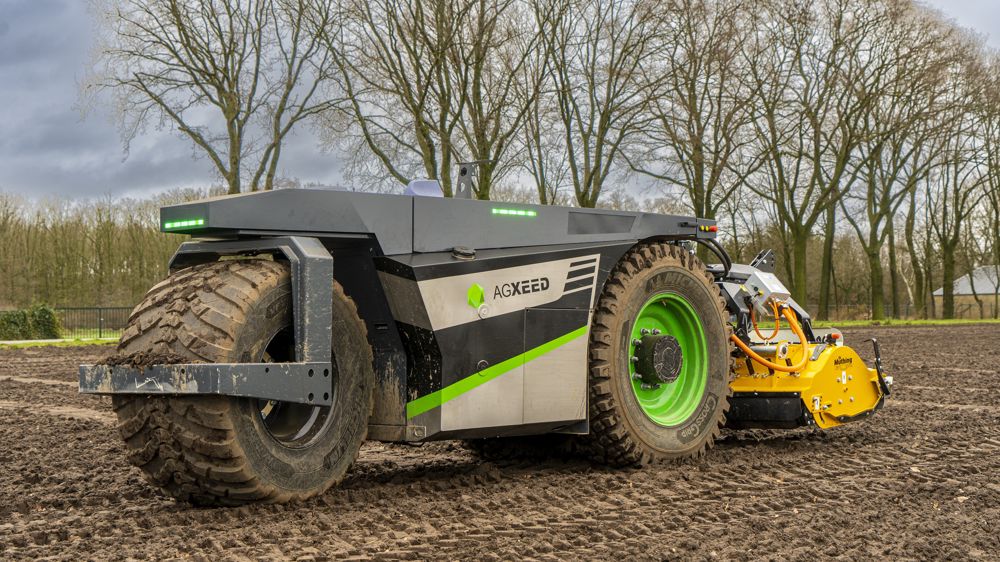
[38, 322]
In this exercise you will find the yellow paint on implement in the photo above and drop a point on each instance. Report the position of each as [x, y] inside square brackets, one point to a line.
[836, 385]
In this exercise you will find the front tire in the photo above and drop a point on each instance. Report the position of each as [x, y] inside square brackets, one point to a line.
[217, 450]
[644, 405]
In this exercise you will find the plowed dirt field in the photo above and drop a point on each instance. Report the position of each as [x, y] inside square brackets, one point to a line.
[920, 480]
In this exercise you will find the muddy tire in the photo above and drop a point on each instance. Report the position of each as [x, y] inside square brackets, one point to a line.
[676, 409]
[212, 450]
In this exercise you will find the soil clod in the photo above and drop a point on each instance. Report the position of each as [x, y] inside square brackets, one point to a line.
[142, 359]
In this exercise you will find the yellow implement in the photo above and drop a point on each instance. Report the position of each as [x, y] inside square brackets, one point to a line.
[834, 386]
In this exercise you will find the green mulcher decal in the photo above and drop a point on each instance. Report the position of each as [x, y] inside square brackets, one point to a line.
[454, 390]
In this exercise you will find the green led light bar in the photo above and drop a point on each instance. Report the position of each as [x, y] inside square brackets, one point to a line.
[515, 212]
[183, 224]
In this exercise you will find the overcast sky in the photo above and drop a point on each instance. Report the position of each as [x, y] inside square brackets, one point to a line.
[47, 147]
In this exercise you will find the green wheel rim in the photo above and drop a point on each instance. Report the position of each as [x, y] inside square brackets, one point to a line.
[672, 403]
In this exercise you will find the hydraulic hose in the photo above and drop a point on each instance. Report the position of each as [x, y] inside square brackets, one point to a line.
[787, 313]
[777, 323]
[720, 252]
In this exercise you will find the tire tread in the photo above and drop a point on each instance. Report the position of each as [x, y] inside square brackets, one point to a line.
[609, 441]
[186, 446]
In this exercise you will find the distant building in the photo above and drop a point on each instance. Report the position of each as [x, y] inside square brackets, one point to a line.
[983, 282]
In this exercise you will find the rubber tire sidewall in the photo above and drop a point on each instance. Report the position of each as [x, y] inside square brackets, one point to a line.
[328, 456]
[688, 436]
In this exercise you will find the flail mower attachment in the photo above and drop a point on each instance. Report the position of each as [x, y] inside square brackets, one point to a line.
[794, 377]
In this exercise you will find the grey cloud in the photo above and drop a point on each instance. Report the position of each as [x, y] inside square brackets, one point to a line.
[47, 148]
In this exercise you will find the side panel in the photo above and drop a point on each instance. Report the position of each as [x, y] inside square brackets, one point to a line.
[555, 384]
[498, 401]
[498, 344]
[506, 290]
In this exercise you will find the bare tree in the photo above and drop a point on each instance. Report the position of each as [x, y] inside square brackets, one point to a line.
[434, 83]
[392, 61]
[899, 132]
[544, 153]
[697, 136]
[601, 53]
[806, 75]
[502, 45]
[235, 78]
[957, 186]
[991, 148]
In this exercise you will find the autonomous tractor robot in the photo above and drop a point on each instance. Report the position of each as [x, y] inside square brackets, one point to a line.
[296, 324]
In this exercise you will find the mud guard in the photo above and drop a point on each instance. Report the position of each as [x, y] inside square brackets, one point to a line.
[312, 294]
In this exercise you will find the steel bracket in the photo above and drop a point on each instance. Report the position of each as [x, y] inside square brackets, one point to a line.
[303, 383]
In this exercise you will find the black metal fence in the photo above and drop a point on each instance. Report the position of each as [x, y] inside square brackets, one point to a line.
[93, 322]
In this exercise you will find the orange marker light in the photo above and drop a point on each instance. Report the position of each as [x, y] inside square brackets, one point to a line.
[835, 336]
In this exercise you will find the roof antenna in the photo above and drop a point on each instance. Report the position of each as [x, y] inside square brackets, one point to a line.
[468, 175]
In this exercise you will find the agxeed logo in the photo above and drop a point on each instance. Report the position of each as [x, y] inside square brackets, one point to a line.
[521, 288]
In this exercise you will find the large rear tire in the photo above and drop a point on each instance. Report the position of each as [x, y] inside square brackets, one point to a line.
[659, 359]
[213, 450]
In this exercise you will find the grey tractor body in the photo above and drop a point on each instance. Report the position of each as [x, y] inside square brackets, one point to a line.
[478, 312]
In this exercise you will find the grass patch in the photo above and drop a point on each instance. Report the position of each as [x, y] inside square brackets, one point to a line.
[91, 333]
[60, 343]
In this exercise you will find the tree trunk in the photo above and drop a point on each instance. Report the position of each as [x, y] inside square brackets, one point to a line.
[948, 281]
[235, 154]
[799, 247]
[932, 306]
[272, 168]
[826, 273]
[919, 290]
[875, 275]
[893, 271]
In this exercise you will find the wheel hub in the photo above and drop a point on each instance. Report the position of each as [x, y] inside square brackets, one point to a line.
[660, 359]
[668, 358]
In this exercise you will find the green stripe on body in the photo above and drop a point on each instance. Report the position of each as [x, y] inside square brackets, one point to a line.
[454, 390]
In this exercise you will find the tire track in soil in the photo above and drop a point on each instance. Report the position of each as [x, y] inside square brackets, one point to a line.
[916, 481]
[68, 411]
[39, 380]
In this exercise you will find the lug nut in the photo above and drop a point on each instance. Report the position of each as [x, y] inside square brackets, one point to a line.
[636, 342]
[644, 331]
[656, 332]
[634, 359]
[637, 377]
